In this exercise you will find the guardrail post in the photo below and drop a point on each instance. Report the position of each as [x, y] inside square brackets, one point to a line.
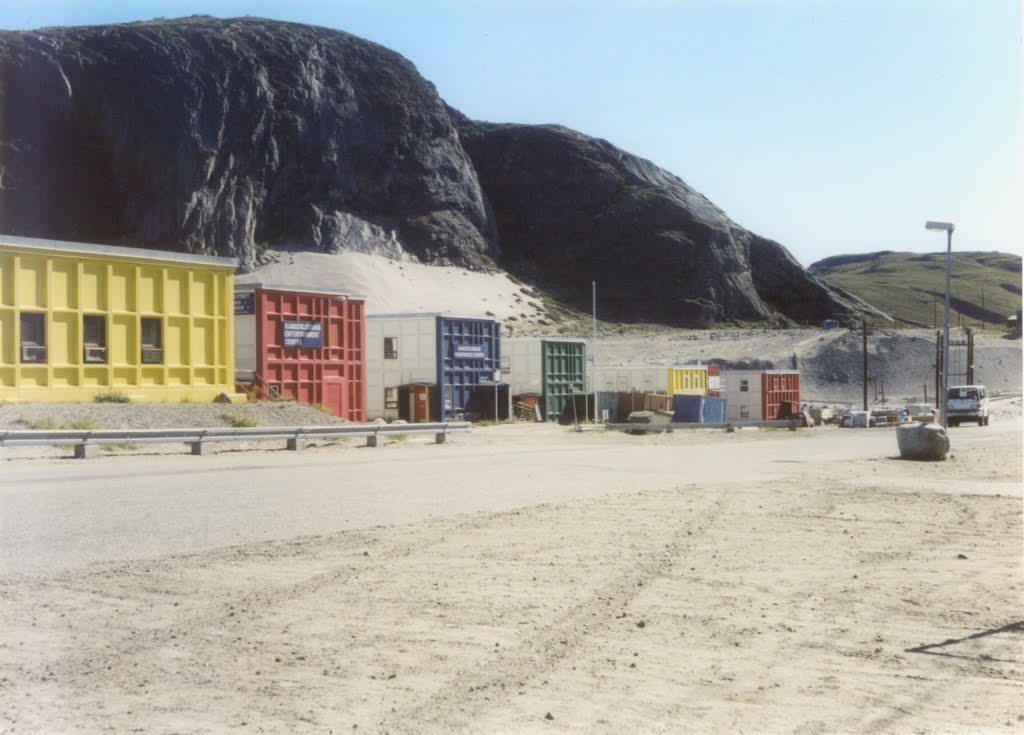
[441, 438]
[371, 440]
[295, 444]
[86, 451]
[201, 448]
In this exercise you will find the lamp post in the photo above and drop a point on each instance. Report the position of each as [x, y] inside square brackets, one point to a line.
[948, 228]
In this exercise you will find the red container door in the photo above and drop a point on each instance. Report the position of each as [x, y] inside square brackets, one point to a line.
[335, 396]
[421, 401]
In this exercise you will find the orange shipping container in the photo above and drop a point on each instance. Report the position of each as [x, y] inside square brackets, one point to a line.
[778, 387]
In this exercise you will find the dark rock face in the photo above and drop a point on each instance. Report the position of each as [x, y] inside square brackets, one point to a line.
[572, 209]
[210, 135]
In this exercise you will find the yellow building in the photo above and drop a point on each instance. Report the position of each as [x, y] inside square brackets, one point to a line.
[691, 380]
[78, 320]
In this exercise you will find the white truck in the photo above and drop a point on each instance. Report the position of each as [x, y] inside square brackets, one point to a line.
[967, 403]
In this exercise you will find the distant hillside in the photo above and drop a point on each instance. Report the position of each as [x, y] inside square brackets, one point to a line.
[985, 287]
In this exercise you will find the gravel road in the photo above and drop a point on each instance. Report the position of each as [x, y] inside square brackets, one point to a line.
[811, 584]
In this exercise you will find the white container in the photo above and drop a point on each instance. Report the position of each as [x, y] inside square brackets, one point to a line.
[860, 419]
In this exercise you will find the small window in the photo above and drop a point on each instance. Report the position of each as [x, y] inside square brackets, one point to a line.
[744, 386]
[391, 398]
[94, 338]
[449, 398]
[152, 340]
[33, 337]
[391, 348]
[744, 411]
[94, 328]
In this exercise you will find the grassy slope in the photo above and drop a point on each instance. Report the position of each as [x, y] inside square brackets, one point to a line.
[910, 286]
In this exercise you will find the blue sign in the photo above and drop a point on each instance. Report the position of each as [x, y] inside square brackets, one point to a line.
[470, 352]
[245, 302]
[302, 334]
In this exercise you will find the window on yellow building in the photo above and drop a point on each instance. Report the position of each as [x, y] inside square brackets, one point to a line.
[744, 386]
[391, 398]
[33, 336]
[391, 348]
[94, 337]
[152, 340]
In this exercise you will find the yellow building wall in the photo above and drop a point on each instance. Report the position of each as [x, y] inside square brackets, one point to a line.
[690, 381]
[193, 301]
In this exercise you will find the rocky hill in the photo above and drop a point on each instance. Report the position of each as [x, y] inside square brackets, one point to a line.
[224, 136]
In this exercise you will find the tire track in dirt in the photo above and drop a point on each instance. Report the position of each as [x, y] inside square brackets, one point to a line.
[456, 704]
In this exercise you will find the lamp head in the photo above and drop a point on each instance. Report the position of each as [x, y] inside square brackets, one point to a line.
[940, 226]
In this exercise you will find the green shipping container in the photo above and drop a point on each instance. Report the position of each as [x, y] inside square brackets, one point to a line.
[553, 368]
[565, 373]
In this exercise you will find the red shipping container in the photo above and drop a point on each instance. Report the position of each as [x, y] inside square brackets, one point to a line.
[777, 387]
[311, 348]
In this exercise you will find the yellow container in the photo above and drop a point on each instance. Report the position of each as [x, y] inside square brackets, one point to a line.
[689, 380]
[77, 320]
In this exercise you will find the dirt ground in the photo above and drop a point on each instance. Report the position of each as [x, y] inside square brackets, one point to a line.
[868, 596]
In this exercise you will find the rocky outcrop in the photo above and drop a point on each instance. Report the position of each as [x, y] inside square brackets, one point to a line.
[572, 209]
[211, 135]
[214, 136]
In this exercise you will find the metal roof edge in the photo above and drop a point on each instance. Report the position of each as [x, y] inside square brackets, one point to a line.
[35, 243]
[432, 314]
[294, 289]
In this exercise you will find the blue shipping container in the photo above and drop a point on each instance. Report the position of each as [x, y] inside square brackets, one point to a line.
[686, 409]
[713, 410]
[468, 360]
[698, 410]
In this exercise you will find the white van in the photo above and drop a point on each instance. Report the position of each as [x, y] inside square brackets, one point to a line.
[967, 403]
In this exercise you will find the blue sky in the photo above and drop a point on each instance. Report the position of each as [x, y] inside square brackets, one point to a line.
[832, 126]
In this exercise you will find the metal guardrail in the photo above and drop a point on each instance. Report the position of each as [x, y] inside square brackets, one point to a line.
[87, 442]
[791, 424]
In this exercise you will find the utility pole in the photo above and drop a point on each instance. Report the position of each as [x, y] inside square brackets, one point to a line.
[982, 307]
[970, 356]
[938, 367]
[864, 328]
[593, 352]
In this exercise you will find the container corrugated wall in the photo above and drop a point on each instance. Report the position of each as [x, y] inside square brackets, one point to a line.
[698, 409]
[691, 380]
[321, 358]
[778, 387]
[468, 356]
[77, 320]
[564, 374]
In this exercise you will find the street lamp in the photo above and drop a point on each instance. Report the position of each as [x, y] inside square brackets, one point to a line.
[948, 228]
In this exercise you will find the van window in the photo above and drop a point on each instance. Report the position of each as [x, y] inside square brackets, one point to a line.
[960, 393]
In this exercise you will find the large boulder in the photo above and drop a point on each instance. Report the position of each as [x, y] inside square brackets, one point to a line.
[928, 442]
